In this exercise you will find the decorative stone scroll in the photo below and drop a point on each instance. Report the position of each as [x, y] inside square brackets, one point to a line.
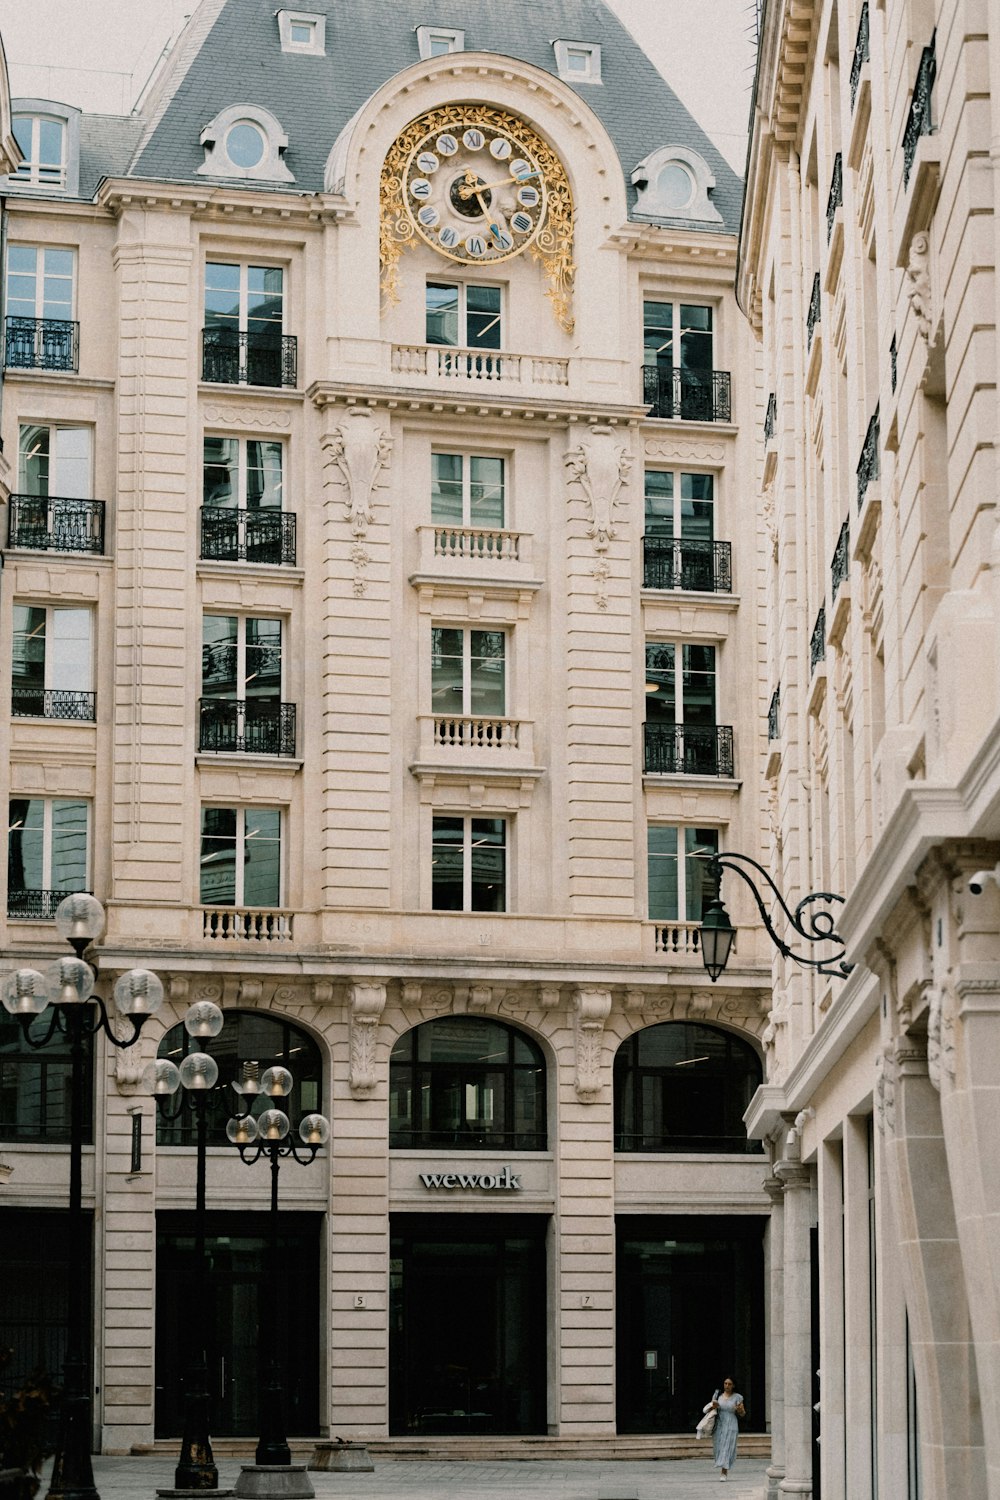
[885, 1092]
[592, 1010]
[940, 1037]
[366, 1002]
[599, 464]
[918, 277]
[357, 452]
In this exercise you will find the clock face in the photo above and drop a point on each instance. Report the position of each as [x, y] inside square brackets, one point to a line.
[474, 191]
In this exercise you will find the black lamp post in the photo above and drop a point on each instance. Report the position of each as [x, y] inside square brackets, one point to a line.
[190, 1085]
[811, 919]
[77, 1013]
[269, 1135]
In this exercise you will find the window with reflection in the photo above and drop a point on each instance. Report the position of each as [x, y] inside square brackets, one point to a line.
[248, 1038]
[35, 1086]
[684, 1087]
[468, 1083]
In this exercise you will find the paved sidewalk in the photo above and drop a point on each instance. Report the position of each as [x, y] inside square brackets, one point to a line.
[597, 1479]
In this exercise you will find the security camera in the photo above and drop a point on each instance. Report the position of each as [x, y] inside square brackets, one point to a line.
[979, 881]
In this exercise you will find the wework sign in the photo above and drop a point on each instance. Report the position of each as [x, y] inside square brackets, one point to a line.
[505, 1181]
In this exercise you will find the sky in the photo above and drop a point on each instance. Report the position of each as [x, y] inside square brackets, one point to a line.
[98, 53]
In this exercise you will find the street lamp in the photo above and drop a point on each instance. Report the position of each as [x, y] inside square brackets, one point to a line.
[810, 920]
[77, 1013]
[190, 1085]
[269, 1135]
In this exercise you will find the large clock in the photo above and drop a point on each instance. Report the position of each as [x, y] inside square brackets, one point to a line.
[478, 184]
[475, 191]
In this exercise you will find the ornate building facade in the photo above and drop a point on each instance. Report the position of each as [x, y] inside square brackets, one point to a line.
[383, 652]
[867, 269]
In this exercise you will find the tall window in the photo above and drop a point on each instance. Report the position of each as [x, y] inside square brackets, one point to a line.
[677, 858]
[469, 864]
[243, 473]
[241, 658]
[248, 1038]
[687, 697]
[679, 531]
[47, 853]
[469, 1083]
[40, 282]
[244, 321]
[55, 460]
[684, 1087]
[468, 672]
[464, 315]
[240, 856]
[35, 1085]
[51, 671]
[677, 335]
[43, 144]
[467, 490]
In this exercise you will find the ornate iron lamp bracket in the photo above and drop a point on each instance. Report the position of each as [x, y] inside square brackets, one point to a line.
[812, 919]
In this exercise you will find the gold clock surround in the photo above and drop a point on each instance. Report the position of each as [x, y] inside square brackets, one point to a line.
[552, 241]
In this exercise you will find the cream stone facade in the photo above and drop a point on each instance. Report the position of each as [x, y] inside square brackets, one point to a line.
[867, 269]
[367, 774]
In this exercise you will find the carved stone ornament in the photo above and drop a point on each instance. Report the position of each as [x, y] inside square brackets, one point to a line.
[592, 1010]
[599, 464]
[366, 1002]
[885, 1092]
[128, 1061]
[918, 277]
[940, 1037]
[359, 448]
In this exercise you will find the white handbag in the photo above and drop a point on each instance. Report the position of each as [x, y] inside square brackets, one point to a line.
[706, 1426]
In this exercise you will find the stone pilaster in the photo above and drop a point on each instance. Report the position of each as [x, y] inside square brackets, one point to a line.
[775, 1190]
[797, 1180]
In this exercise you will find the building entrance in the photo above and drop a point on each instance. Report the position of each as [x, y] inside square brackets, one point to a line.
[690, 1301]
[230, 1302]
[467, 1323]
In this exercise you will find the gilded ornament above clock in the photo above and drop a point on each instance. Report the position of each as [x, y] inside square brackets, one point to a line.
[475, 192]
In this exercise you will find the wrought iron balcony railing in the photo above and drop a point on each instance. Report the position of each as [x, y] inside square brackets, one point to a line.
[862, 52]
[694, 395]
[233, 356]
[836, 197]
[678, 563]
[246, 924]
[919, 121]
[688, 749]
[815, 311]
[869, 464]
[35, 906]
[52, 703]
[893, 372]
[840, 567]
[257, 536]
[53, 524]
[817, 643]
[246, 726]
[42, 344]
[770, 417]
[773, 711]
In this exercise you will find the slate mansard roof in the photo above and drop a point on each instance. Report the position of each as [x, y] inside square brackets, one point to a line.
[230, 53]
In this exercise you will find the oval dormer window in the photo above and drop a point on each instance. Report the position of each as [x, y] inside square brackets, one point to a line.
[245, 146]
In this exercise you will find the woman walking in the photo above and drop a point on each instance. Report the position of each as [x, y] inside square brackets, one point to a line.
[728, 1406]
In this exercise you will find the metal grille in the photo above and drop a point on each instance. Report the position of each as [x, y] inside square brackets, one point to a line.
[815, 310]
[869, 463]
[232, 356]
[53, 524]
[892, 364]
[688, 749]
[251, 726]
[918, 122]
[840, 567]
[695, 395]
[770, 417]
[34, 906]
[677, 563]
[862, 52]
[257, 536]
[817, 645]
[773, 728]
[836, 197]
[42, 344]
[52, 703]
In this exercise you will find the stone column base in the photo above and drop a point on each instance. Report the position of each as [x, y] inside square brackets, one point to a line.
[274, 1482]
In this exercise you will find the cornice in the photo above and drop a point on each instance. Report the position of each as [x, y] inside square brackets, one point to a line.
[698, 247]
[236, 205]
[478, 403]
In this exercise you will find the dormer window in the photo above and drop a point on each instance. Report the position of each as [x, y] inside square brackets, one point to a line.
[302, 31]
[245, 141]
[437, 41]
[675, 183]
[578, 62]
[49, 137]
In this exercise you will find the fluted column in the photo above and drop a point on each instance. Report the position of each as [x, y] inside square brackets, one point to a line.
[796, 1319]
[775, 1189]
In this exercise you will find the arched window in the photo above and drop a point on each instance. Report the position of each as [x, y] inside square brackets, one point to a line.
[35, 1086]
[247, 1036]
[684, 1087]
[469, 1083]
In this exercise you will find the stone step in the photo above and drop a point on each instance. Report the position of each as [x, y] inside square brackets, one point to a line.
[493, 1449]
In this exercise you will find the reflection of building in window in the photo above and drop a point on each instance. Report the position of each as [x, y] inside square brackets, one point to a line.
[469, 864]
[467, 1082]
[677, 859]
[47, 850]
[467, 490]
[680, 1086]
[464, 316]
[240, 856]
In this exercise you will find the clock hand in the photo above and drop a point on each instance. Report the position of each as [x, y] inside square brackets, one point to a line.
[469, 190]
